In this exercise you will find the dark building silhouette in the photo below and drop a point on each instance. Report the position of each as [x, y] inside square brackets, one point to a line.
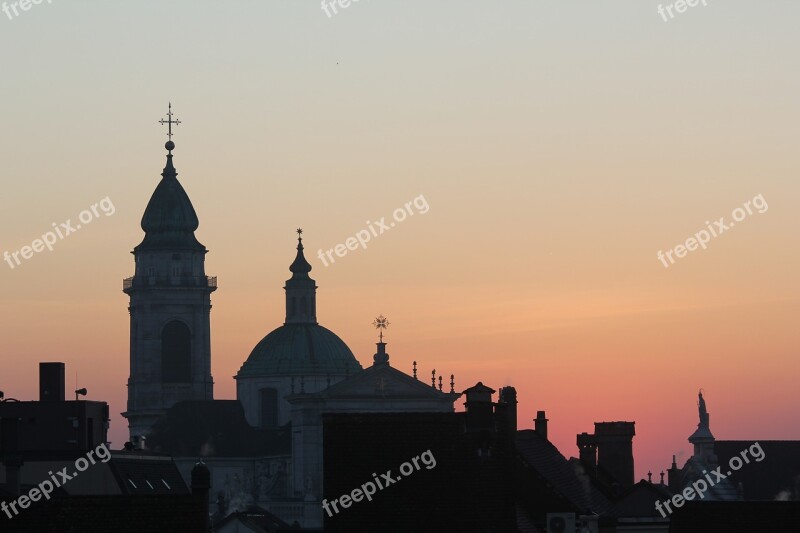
[117, 491]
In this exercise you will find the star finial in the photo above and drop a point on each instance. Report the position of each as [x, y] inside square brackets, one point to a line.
[169, 122]
[299, 234]
[381, 323]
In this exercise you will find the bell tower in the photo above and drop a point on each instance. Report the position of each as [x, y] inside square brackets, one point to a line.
[170, 306]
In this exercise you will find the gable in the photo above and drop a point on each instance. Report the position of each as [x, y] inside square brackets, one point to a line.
[383, 381]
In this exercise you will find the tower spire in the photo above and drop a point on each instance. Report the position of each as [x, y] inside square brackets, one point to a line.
[301, 290]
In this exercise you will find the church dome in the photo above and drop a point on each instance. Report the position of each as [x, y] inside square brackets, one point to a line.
[300, 350]
[301, 347]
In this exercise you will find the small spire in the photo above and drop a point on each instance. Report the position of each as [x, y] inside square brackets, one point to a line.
[662, 477]
[452, 383]
[440, 383]
[415, 370]
[433, 378]
[300, 267]
[649, 476]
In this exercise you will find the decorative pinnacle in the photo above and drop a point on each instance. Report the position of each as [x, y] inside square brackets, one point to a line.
[169, 122]
[299, 234]
[381, 323]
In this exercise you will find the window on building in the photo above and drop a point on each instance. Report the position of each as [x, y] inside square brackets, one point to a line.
[269, 408]
[176, 353]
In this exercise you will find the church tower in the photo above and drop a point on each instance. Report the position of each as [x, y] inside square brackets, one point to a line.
[170, 306]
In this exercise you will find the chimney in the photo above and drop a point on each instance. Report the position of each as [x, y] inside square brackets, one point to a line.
[673, 477]
[507, 412]
[540, 424]
[615, 450]
[201, 487]
[587, 446]
[51, 382]
[479, 408]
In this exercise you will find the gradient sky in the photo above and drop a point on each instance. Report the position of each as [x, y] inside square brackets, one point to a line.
[559, 145]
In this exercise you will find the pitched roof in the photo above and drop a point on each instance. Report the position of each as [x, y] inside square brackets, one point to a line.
[561, 474]
[214, 428]
[396, 384]
[640, 500]
[148, 475]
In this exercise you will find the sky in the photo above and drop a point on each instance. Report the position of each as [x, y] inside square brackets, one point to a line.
[558, 147]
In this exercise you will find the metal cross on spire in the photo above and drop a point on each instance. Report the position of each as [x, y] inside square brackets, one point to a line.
[380, 324]
[169, 122]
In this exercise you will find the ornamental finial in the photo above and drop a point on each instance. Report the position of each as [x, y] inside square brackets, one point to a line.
[381, 323]
[169, 122]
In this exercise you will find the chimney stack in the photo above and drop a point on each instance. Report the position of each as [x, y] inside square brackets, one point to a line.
[51, 382]
[587, 446]
[540, 424]
[479, 408]
[507, 413]
[615, 450]
[201, 487]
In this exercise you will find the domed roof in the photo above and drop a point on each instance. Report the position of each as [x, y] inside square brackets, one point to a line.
[300, 350]
[169, 221]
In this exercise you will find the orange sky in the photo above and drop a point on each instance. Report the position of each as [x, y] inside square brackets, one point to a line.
[559, 147]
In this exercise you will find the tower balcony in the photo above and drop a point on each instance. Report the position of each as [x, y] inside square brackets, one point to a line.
[140, 282]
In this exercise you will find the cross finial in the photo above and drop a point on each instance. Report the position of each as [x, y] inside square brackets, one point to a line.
[381, 323]
[169, 122]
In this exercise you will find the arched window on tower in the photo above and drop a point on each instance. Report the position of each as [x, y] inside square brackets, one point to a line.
[269, 408]
[176, 353]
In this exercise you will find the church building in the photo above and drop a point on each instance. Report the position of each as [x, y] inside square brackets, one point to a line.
[265, 448]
